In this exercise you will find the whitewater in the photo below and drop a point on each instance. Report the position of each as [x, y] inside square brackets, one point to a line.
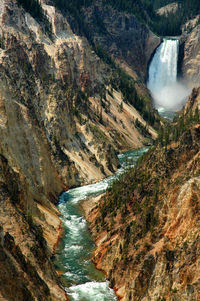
[82, 280]
[169, 93]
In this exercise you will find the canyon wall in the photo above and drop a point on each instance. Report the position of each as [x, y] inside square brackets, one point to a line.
[146, 227]
[61, 125]
[63, 87]
[129, 42]
[191, 57]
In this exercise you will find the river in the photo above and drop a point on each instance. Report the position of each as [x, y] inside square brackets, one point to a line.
[82, 280]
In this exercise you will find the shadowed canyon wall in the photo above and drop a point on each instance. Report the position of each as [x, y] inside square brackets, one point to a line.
[61, 125]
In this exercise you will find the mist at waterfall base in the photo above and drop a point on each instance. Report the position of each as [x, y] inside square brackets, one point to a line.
[82, 280]
[169, 94]
[172, 97]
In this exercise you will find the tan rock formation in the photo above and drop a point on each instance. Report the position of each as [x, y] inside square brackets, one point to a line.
[170, 8]
[26, 270]
[191, 58]
[147, 227]
[57, 130]
[40, 81]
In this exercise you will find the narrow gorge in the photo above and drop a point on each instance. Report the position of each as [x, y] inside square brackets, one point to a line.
[169, 95]
[76, 247]
[83, 133]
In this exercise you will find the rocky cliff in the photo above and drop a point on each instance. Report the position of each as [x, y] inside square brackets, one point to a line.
[146, 226]
[26, 269]
[169, 8]
[191, 57]
[60, 84]
[64, 115]
[129, 42]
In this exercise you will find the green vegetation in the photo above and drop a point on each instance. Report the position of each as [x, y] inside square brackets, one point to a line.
[72, 6]
[142, 129]
[160, 3]
[169, 25]
[121, 196]
[37, 230]
[133, 194]
[121, 81]
[77, 102]
[173, 131]
[138, 191]
[144, 186]
[98, 134]
[144, 10]
[34, 8]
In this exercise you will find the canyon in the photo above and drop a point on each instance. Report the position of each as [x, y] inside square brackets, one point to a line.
[58, 111]
[146, 226]
[69, 104]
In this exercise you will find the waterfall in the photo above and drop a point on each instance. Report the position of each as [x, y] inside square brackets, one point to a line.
[163, 69]
[167, 92]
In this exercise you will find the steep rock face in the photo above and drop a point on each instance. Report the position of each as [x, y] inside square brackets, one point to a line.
[190, 24]
[193, 103]
[191, 57]
[130, 43]
[51, 81]
[147, 226]
[170, 8]
[26, 269]
[57, 130]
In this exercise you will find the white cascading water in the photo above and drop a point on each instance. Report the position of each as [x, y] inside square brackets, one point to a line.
[167, 92]
[83, 281]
